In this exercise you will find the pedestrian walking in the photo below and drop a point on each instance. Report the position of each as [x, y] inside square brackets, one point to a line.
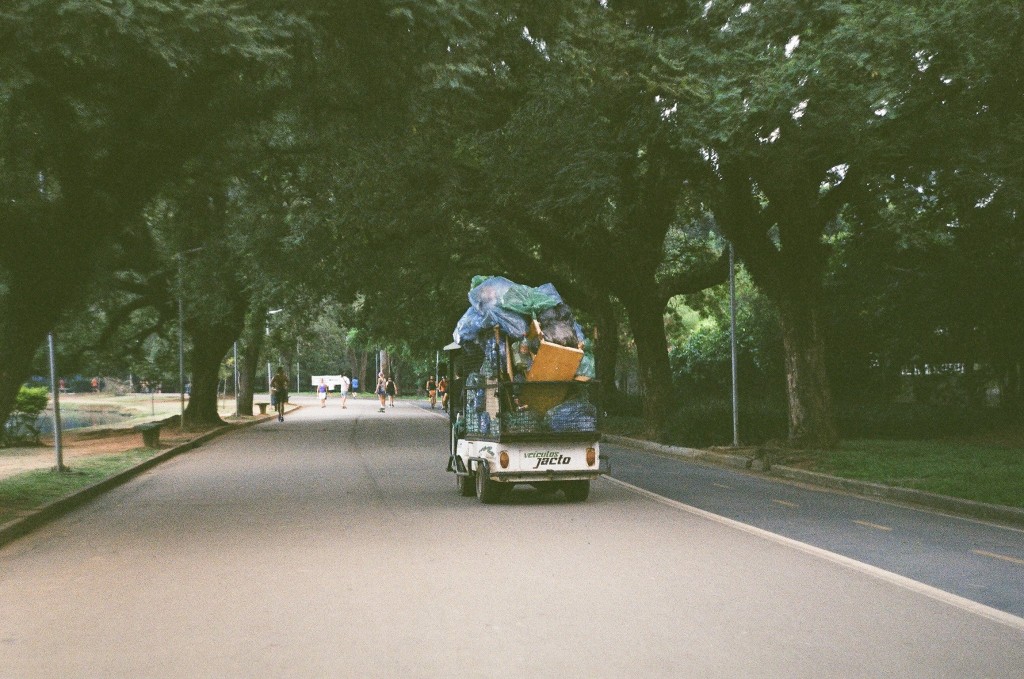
[344, 387]
[279, 392]
[432, 391]
[381, 390]
[392, 390]
[442, 389]
[321, 393]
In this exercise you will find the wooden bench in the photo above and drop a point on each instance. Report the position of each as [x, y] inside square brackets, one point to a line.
[150, 433]
[262, 406]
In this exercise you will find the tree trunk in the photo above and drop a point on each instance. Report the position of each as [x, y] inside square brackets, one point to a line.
[246, 377]
[782, 247]
[202, 401]
[647, 322]
[250, 344]
[210, 344]
[811, 416]
[606, 355]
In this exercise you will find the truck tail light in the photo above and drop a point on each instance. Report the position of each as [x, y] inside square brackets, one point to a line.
[591, 456]
[503, 459]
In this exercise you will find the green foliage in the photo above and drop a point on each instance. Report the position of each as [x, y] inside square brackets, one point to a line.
[702, 359]
[974, 471]
[707, 421]
[32, 400]
[22, 425]
[699, 420]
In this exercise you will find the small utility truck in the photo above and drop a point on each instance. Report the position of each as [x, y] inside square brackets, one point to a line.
[540, 429]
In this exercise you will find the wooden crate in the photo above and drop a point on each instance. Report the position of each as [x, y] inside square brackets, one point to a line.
[554, 363]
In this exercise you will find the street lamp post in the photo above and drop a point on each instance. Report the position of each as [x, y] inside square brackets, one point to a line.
[181, 355]
[55, 388]
[732, 345]
[237, 409]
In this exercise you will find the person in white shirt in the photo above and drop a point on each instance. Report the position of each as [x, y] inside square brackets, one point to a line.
[345, 384]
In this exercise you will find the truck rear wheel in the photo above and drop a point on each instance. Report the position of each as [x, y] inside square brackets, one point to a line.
[487, 491]
[576, 491]
[466, 485]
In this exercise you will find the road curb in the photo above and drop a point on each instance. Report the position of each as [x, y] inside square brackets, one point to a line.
[12, 530]
[953, 505]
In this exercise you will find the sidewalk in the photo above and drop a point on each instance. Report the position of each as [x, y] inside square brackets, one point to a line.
[952, 505]
[100, 442]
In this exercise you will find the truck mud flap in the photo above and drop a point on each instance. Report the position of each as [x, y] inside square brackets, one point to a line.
[455, 464]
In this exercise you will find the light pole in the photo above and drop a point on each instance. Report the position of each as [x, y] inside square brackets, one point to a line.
[732, 342]
[237, 409]
[181, 353]
[269, 314]
[55, 388]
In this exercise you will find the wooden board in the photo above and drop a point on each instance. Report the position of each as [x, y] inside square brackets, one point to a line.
[554, 363]
[540, 398]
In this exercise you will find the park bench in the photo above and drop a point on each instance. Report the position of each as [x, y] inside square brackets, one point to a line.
[262, 406]
[150, 433]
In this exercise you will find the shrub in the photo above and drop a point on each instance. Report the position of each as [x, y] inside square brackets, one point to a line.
[904, 420]
[708, 422]
[22, 425]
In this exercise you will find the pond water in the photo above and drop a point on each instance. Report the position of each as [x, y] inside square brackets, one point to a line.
[76, 419]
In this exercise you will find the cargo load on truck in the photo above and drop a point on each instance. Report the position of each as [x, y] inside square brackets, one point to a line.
[525, 362]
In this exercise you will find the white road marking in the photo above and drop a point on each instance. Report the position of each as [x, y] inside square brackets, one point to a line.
[718, 485]
[786, 503]
[960, 602]
[993, 555]
[868, 524]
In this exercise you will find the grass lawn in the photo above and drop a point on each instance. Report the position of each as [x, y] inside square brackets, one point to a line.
[985, 468]
[24, 492]
[973, 471]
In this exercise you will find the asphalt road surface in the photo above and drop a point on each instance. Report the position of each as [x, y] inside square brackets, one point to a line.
[977, 560]
[335, 545]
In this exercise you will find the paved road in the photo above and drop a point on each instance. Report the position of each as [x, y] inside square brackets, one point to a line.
[335, 545]
[980, 561]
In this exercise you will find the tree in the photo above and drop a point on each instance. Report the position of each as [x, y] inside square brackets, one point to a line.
[795, 111]
[100, 106]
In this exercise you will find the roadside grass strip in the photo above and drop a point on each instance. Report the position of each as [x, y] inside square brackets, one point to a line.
[982, 473]
[28, 491]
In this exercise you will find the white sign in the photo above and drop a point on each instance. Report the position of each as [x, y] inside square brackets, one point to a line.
[331, 381]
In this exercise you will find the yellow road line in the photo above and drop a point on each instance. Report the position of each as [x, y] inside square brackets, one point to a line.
[993, 555]
[786, 503]
[868, 524]
[718, 485]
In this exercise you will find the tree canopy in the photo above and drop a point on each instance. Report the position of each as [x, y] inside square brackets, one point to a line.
[358, 162]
